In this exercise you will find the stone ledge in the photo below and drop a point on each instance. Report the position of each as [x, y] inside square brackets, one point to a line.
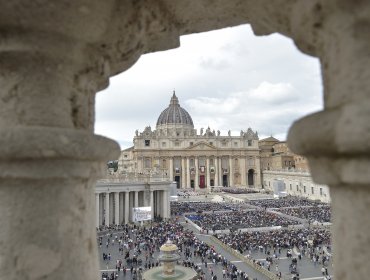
[37, 142]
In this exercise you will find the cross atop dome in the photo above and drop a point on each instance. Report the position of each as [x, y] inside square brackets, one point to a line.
[174, 99]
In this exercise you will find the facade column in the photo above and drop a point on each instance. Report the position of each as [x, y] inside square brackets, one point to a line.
[188, 183]
[127, 207]
[97, 210]
[196, 181]
[257, 164]
[136, 200]
[183, 173]
[106, 206]
[208, 173]
[152, 203]
[171, 169]
[216, 171]
[231, 172]
[243, 171]
[116, 208]
[221, 173]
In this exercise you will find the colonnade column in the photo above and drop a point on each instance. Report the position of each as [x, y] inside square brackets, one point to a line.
[188, 183]
[216, 171]
[171, 169]
[106, 206]
[183, 173]
[196, 181]
[152, 203]
[111, 209]
[97, 209]
[165, 204]
[208, 173]
[116, 208]
[136, 200]
[231, 172]
[127, 207]
[121, 207]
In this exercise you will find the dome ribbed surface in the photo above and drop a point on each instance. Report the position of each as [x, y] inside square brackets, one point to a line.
[174, 114]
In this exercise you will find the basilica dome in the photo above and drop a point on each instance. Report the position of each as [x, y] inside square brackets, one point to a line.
[174, 114]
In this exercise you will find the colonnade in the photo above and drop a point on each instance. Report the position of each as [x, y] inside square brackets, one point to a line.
[114, 208]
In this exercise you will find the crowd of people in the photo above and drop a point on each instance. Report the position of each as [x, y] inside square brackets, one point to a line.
[289, 201]
[137, 249]
[179, 208]
[237, 190]
[239, 220]
[308, 242]
[132, 249]
[188, 193]
[272, 242]
[319, 214]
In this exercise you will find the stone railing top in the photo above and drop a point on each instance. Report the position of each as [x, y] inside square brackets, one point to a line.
[135, 178]
[291, 171]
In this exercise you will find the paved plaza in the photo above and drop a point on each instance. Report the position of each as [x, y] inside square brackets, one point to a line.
[126, 252]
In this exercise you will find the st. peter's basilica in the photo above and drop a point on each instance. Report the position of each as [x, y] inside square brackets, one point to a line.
[176, 151]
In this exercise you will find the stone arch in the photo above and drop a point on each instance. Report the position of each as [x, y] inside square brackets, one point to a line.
[66, 58]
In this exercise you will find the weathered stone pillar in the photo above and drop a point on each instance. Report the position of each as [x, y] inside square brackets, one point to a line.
[336, 140]
[49, 155]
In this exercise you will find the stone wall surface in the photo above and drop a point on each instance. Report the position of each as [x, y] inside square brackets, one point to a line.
[54, 57]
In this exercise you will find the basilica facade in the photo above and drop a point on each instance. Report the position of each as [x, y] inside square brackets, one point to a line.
[176, 151]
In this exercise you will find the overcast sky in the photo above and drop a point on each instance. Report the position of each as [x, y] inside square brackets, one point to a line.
[228, 79]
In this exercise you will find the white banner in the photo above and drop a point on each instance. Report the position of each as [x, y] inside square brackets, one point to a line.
[141, 214]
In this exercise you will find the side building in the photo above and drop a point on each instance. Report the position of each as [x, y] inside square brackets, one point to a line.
[175, 150]
[282, 168]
